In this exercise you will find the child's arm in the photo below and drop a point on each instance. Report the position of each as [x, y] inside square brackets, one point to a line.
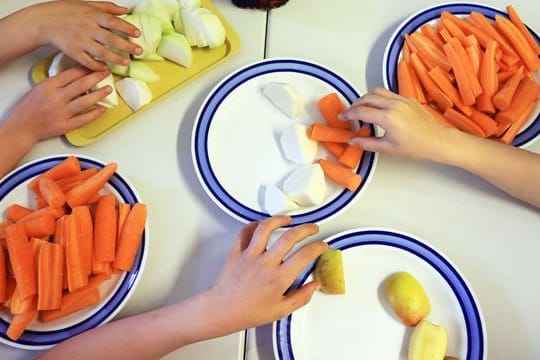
[249, 292]
[412, 132]
[51, 108]
[83, 30]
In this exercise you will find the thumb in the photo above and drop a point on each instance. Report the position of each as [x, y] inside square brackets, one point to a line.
[302, 296]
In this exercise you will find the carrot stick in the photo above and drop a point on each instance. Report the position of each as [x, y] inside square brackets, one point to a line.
[123, 211]
[364, 131]
[473, 80]
[66, 167]
[351, 156]
[320, 132]
[86, 234]
[512, 130]
[454, 30]
[445, 35]
[76, 272]
[485, 122]
[330, 107]
[503, 97]
[130, 238]
[463, 123]
[420, 95]
[333, 148]
[514, 17]
[72, 302]
[465, 90]
[440, 78]
[50, 276]
[70, 182]
[429, 85]
[85, 190]
[16, 212]
[437, 115]
[103, 267]
[51, 192]
[405, 84]
[105, 229]
[40, 202]
[474, 57]
[19, 305]
[41, 226]
[488, 79]
[520, 44]
[468, 28]
[487, 27]
[341, 175]
[3, 275]
[54, 212]
[429, 52]
[20, 322]
[21, 259]
[430, 33]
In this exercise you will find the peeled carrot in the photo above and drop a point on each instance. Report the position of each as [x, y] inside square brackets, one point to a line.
[351, 156]
[462, 53]
[341, 175]
[51, 192]
[67, 167]
[50, 276]
[3, 275]
[446, 86]
[54, 212]
[40, 226]
[419, 91]
[488, 79]
[85, 230]
[90, 186]
[123, 211]
[320, 132]
[130, 238]
[520, 44]
[428, 31]
[16, 212]
[70, 182]
[76, 272]
[485, 122]
[465, 90]
[105, 229]
[429, 85]
[502, 99]
[429, 52]
[474, 57]
[463, 123]
[21, 259]
[72, 302]
[486, 26]
[330, 107]
[514, 17]
[19, 305]
[468, 27]
[454, 30]
[335, 149]
[20, 322]
[405, 84]
[513, 129]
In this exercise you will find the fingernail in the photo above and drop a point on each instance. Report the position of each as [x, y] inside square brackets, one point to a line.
[138, 50]
[342, 116]
[137, 33]
[125, 61]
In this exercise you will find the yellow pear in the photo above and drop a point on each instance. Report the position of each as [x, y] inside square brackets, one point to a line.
[407, 298]
[428, 342]
[329, 272]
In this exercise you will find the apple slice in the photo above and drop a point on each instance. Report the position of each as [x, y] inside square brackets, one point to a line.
[296, 144]
[306, 185]
[285, 97]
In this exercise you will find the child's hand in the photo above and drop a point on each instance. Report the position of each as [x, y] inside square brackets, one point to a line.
[86, 31]
[57, 105]
[252, 285]
[410, 130]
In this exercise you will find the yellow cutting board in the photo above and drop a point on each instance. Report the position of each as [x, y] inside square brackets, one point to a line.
[172, 77]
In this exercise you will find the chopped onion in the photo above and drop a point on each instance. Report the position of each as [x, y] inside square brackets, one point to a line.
[150, 28]
[135, 93]
[174, 47]
[142, 71]
[157, 9]
[111, 99]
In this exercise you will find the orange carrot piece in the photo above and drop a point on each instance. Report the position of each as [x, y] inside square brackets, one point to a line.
[513, 129]
[465, 90]
[454, 30]
[485, 122]
[54, 212]
[468, 28]
[330, 106]
[520, 44]
[3, 275]
[16, 212]
[514, 17]
[488, 79]
[439, 77]
[3, 225]
[333, 148]
[321, 132]
[503, 97]
[41, 226]
[428, 52]
[446, 36]
[67, 167]
[429, 85]
[463, 123]
[430, 33]
[21, 259]
[51, 192]
[474, 56]
[351, 156]
[130, 238]
[406, 52]
[86, 234]
[419, 91]
[19, 305]
[405, 84]
[20, 322]
[76, 272]
[438, 116]
[90, 186]
[364, 131]
[70, 182]
[341, 175]
[50, 276]
[489, 29]
[72, 302]
[105, 229]
[473, 80]
[123, 211]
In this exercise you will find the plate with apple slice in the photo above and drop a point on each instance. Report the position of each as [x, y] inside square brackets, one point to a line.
[254, 147]
[401, 297]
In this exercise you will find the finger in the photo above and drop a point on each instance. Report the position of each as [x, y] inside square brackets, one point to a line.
[374, 100]
[84, 102]
[244, 237]
[84, 118]
[109, 7]
[300, 297]
[101, 52]
[88, 61]
[263, 231]
[83, 84]
[302, 258]
[289, 239]
[386, 93]
[118, 24]
[368, 114]
[371, 143]
[70, 75]
[114, 41]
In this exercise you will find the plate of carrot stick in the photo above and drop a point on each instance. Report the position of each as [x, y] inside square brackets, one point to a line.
[73, 236]
[472, 66]
[267, 140]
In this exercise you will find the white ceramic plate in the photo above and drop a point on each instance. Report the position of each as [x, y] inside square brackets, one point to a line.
[235, 138]
[115, 292]
[361, 324]
[392, 54]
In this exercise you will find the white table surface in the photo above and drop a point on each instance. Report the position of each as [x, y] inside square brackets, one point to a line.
[487, 234]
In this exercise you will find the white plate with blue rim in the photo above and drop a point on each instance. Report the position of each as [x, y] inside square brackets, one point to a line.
[234, 144]
[360, 324]
[115, 292]
[430, 15]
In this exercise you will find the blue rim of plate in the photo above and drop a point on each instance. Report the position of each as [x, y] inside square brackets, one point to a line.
[212, 103]
[471, 312]
[414, 22]
[33, 339]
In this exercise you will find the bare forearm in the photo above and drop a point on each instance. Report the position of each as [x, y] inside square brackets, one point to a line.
[20, 35]
[13, 146]
[511, 169]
